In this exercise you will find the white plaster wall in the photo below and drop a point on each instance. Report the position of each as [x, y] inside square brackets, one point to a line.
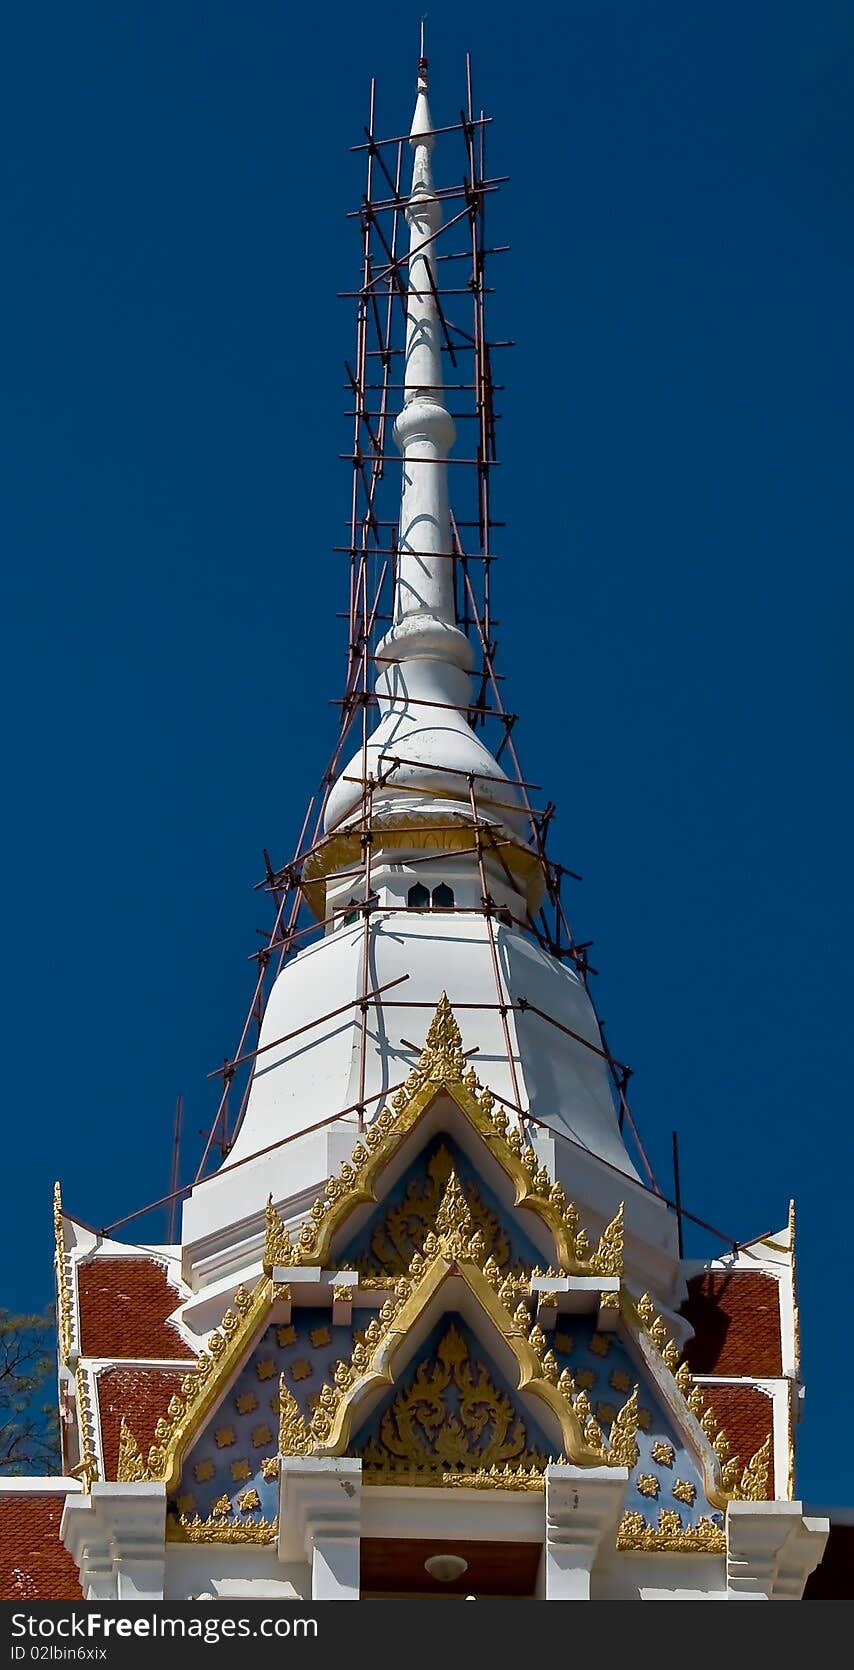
[317, 1074]
[660, 1577]
[253, 1573]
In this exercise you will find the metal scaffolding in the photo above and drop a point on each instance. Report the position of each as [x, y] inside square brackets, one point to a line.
[462, 258]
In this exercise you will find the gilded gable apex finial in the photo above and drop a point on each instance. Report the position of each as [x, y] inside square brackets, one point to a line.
[442, 1056]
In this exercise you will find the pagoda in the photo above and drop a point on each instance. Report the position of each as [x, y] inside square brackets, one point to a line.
[427, 1330]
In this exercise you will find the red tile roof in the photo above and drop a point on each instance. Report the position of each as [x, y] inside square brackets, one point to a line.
[142, 1396]
[736, 1321]
[34, 1564]
[124, 1306]
[747, 1417]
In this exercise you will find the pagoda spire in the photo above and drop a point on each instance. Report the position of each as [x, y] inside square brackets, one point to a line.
[424, 616]
[424, 661]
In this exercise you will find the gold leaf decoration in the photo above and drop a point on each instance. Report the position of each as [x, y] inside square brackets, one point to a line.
[182, 1528]
[131, 1467]
[63, 1278]
[475, 1430]
[662, 1452]
[647, 1484]
[670, 1536]
[406, 1225]
[623, 1434]
[754, 1479]
[294, 1435]
[278, 1249]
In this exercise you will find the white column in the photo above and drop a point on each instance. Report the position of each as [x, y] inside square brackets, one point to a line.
[583, 1506]
[320, 1518]
[117, 1538]
[771, 1549]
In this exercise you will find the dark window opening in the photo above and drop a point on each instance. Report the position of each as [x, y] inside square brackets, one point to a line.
[443, 897]
[417, 897]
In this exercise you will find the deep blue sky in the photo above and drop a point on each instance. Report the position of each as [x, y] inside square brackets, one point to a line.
[676, 586]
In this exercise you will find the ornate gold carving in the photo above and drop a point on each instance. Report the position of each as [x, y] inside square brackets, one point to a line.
[456, 1247]
[609, 1256]
[131, 1467]
[278, 1250]
[670, 1536]
[270, 1466]
[405, 1227]
[492, 1478]
[87, 1467]
[443, 1057]
[662, 1452]
[442, 1062]
[63, 1277]
[180, 1528]
[647, 1484]
[294, 1435]
[623, 1434]
[248, 1501]
[201, 1384]
[754, 1479]
[727, 1480]
[684, 1491]
[421, 1429]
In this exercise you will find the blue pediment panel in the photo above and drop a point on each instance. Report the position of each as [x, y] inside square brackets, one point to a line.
[451, 1413]
[397, 1227]
[667, 1474]
[230, 1473]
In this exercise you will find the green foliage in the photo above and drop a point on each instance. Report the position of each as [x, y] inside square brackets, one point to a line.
[29, 1424]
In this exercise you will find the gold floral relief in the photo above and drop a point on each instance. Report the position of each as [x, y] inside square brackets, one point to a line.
[406, 1225]
[452, 1417]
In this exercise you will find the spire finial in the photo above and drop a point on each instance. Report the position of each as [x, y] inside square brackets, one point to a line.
[422, 61]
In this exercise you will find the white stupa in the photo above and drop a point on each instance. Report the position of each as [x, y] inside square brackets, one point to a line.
[416, 782]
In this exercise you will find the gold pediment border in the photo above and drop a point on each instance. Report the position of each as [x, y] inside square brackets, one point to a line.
[201, 1390]
[725, 1477]
[457, 1250]
[443, 1068]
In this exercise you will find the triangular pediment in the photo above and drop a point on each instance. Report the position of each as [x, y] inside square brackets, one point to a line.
[312, 1367]
[453, 1417]
[443, 1094]
[398, 1225]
